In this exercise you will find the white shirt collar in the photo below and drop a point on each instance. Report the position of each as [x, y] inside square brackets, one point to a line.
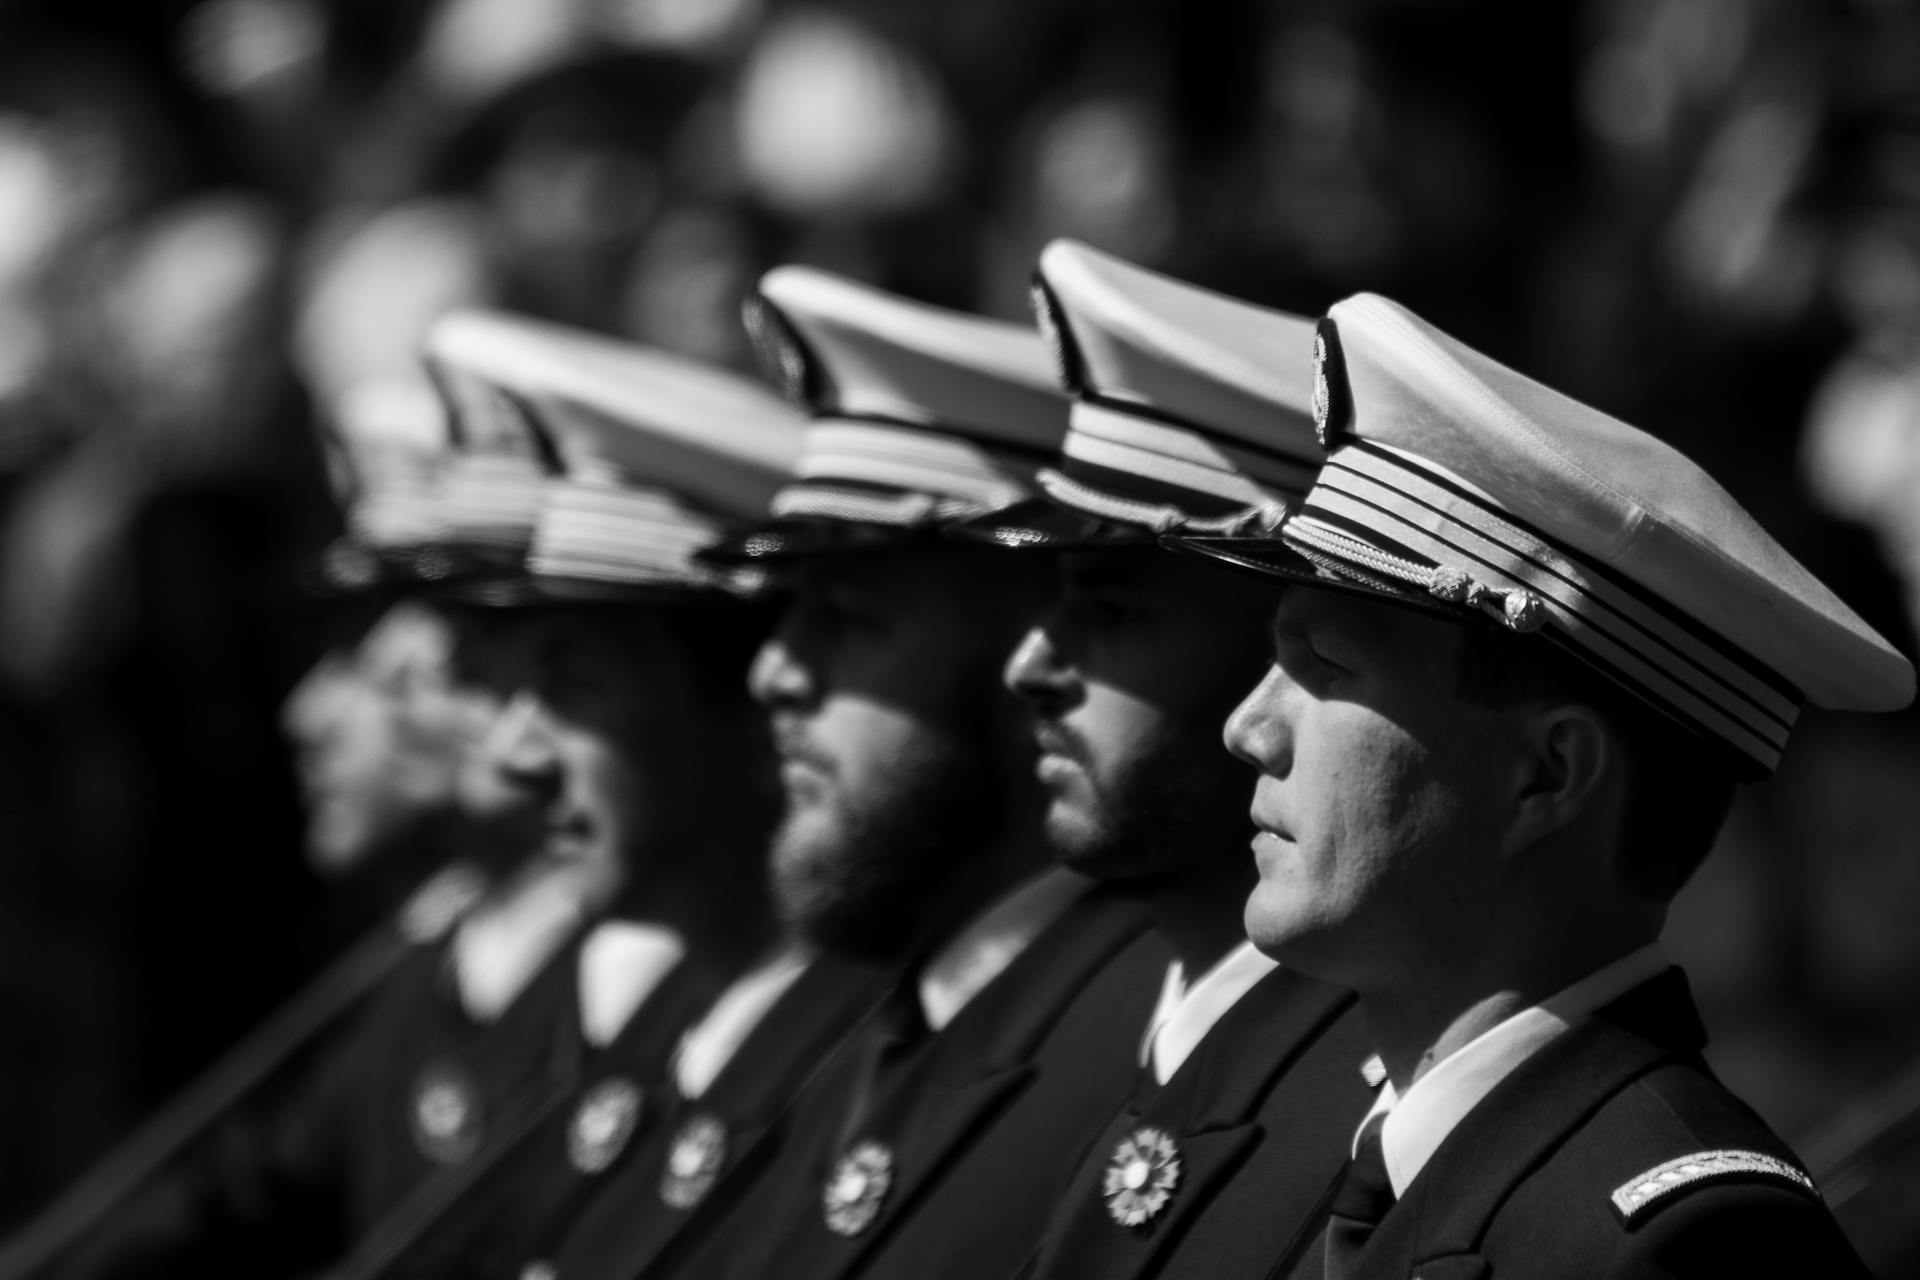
[621, 962]
[501, 944]
[708, 1045]
[1186, 1014]
[982, 950]
[1420, 1121]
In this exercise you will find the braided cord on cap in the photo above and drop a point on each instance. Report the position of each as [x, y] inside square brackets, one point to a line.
[1515, 608]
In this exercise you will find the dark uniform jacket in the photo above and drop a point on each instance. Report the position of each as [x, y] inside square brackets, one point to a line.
[942, 1152]
[541, 1164]
[1260, 1119]
[1596, 1157]
[699, 1148]
[433, 1085]
[409, 1088]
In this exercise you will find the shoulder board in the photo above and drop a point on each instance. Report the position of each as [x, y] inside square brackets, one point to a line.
[1638, 1197]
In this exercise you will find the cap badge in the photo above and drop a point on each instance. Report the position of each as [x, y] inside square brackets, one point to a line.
[1373, 1071]
[855, 1189]
[445, 1115]
[1517, 608]
[1141, 1176]
[1329, 385]
[608, 1114]
[1046, 318]
[777, 350]
[694, 1162]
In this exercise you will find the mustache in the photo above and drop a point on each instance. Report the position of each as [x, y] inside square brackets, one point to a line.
[1055, 739]
[790, 742]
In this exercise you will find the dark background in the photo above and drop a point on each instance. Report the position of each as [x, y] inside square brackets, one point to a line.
[218, 219]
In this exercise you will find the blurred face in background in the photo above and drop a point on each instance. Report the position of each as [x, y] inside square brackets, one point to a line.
[602, 736]
[381, 730]
[902, 759]
[1128, 679]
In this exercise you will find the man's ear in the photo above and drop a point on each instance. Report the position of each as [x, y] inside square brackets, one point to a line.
[1567, 758]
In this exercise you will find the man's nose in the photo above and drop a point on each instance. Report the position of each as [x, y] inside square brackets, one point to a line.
[521, 744]
[1256, 731]
[778, 677]
[313, 705]
[1036, 673]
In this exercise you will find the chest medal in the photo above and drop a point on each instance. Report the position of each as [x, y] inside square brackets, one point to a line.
[608, 1114]
[694, 1161]
[445, 1113]
[1141, 1176]
[856, 1188]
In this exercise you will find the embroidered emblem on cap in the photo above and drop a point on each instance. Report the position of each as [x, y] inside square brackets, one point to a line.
[446, 1113]
[856, 1188]
[777, 349]
[1636, 1197]
[608, 1114]
[1141, 1176]
[1066, 361]
[694, 1162]
[1329, 385]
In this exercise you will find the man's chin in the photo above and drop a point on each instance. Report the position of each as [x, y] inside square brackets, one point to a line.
[1082, 848]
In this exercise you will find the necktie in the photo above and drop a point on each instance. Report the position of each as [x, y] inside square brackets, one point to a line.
[897, 1025]
[1360, 1202]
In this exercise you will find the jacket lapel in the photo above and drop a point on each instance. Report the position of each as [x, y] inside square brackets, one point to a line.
[1010, 1019]
[1214, 1102]
[802, 1030]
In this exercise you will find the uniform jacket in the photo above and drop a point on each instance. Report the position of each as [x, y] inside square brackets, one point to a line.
[407, 1089]
[1525, 1185]
[979, 1124]
[1261, 1116]
[541, 1164]
[433, 1085]
[696, 1154]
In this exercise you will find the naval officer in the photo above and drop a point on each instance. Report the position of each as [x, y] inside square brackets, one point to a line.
[383, 723]
[339, 1132]
[1191, 414]
[1504, 722]
[912, 834]
[628, 716]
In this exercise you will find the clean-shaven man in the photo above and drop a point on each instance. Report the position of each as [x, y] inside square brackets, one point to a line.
[1499, 734]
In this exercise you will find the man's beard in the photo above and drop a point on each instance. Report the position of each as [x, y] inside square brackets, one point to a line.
[861, 874]
[1180, 814]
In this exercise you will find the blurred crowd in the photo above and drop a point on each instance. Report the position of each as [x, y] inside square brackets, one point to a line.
[222, 221]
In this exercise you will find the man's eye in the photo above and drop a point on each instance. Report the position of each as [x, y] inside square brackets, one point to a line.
[1293, 650]
[1103, 612]
[852, 611]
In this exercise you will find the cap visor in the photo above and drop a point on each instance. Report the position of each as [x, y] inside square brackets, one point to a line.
[795, 539]
[1038, 524]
